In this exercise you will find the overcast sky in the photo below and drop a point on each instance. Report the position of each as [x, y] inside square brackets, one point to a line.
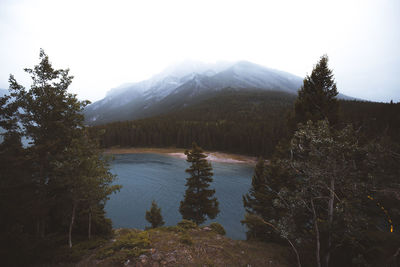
[108, 43]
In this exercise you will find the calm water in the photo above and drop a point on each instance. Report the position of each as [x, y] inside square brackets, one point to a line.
[161, 177]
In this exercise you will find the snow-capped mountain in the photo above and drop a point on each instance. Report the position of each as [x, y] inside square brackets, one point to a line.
[184, 84]
[3, 92]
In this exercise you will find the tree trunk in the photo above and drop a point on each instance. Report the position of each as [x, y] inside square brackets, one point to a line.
[71, 224]
[295, 251]
[43, 228]
[330, 221]
[318, 248]
[90, 223]
[287, 239]
[38, 228]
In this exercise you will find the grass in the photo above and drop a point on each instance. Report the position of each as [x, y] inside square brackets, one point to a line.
[183, 245]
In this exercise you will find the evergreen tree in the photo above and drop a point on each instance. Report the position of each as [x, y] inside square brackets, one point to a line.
[251, 202]
[61, 173]
[261, 201]
[255, 201]
[16, 188]
[154, 216]
[317, 97]
[198, 200]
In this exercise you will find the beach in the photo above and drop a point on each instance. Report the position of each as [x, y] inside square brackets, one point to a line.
[212, 156]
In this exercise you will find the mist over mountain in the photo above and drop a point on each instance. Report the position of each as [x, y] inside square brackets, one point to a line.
[3, 92]
[183, 85]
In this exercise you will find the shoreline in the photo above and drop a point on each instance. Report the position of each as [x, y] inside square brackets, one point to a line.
[213, 156]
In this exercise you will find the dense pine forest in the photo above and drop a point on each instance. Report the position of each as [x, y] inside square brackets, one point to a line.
[248, 122]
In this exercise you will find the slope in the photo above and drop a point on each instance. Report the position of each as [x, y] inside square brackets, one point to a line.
[174, 89]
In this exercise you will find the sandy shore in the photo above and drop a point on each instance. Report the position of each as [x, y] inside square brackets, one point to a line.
[179, 153]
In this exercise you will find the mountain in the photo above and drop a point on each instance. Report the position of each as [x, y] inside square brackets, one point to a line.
[183, 85]
[3, 92]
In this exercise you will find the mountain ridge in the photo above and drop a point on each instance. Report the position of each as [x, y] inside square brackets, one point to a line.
[180, 85]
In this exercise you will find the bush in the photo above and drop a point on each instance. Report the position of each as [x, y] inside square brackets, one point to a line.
[218, 228]
[104, 253]
[186, 239]
[128, 244]
[132, 240]
[187, 224]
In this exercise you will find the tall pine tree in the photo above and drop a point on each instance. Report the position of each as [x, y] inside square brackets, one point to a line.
[198, 200]
[317, 97]
[61, 174]
[254, 201]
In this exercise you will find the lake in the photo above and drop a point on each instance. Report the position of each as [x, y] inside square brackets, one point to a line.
[161, 177]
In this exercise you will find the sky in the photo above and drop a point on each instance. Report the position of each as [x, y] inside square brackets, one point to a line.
[109, 43]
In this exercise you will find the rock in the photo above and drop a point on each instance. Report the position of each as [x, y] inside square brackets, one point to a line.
[170, 259]
[155, 264]
[163, 263]
[189, 258]
[143, 259]
[138, 264]
[206, 228]
[127, 262]
[156, 256]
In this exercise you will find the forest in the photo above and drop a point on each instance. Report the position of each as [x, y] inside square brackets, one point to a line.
[326, 185]
[250, 122]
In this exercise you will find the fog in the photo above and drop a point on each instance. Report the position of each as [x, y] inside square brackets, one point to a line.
[109, 43]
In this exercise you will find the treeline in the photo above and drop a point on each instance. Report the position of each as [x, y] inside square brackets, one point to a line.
[234, 121]
[248, 122]
[55, 188]
[372, 119]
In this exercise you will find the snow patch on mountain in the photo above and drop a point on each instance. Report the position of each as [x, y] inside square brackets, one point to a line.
[179, 85]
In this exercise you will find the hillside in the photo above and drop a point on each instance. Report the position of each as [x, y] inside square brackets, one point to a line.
[174, 246]
[184, 85]
[247, 122]
[231, 121]
[3, 92]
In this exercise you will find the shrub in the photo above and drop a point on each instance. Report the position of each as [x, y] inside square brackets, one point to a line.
[187, 224]
[132, 240]
[218, 228]
[186, 239]
[104, 253]
[128, 244]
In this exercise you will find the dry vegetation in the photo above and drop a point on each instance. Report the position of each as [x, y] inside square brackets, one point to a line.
[183, 245]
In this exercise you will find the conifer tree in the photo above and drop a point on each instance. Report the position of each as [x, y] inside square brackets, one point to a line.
[261, 201]
[250, 200]
[254, 201]
[199, 201]
[317, 97]
[63, 170]
[154, 216]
